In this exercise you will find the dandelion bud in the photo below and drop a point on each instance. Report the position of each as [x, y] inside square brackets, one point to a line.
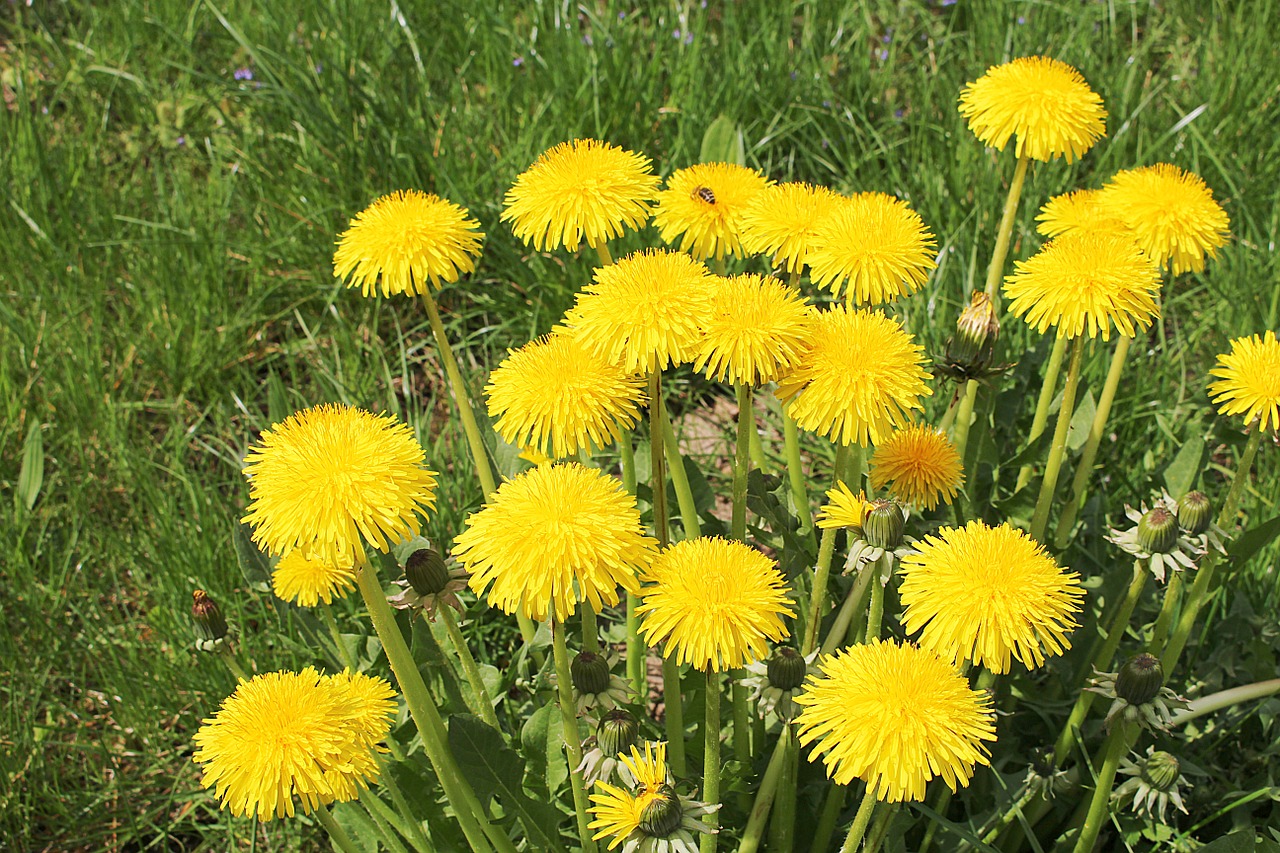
[1160, 771]
[884, 525]
[426, 572]
[1158, 531]
[662, 814]
[590, 673]
[977, 331]
[618, 732]
[210, 624]
[1193, 513]
[786, 669]
[1139, 681]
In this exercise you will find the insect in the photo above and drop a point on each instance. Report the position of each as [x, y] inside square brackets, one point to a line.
[705, 194]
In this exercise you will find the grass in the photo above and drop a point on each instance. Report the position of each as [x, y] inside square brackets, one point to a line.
[166, 288]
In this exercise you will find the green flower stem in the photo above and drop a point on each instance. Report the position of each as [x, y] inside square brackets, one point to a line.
[1005, 233]
[875, 614]
[940, 805]
[741, 732]
[949, 416]
[818, 596]
[742, 463]
[1080, 486]
[673, 715]
[1040, 521]
[229, 659]
[680, 481]
[478, 453]
[467, 808]
[860, 822]
[335, 830]
[572, 737]
[782, 822]
[1047, 389]
[754, 830]
[1117, 745]
[415, 834]
[344, 654]
[795, 472]
[1168, 607]
[964, 417]
[1225, 699]
[853, 603]
[602, 252]
[483, 702]
[711, 760]
[381, 816]
[657, 456]
[831, 808]
[636, 649]
[1101, 661]
[758, 457]
[1198, 595]
[879, 829]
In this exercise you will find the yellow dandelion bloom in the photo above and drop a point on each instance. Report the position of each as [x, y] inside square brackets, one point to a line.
[307, 582]
[703, 206]
[844, 508]
[1249, 381]
[1171, 212]
[894, 716]
[781, 222]
[873, 247]
[919, 465]
[583, 189]
[714, 602]
[859, 376]
[404, 241]
[1084, 282]
[557, 396]
[1045, 103]
[535, 456]
[985, 594]
[651, 817]
[1080, 210]
[753, 331]
[617, 812]
[285, 735]
[553, 536]
[644, 312]
[331, 475]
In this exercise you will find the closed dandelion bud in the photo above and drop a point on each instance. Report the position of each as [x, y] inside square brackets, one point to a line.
[210, 624]
[1139, 681]
[426, 572]
[1193, 513]
[1160, 771]
[883, 525]
[977, 331]
[618, 732]
[590, 673]
[786, 669]
[1158, 531]
[662, 814]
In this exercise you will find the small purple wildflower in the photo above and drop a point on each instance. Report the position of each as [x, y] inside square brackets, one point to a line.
[948, 2]
[181, 140]
[688, 38]
[243, 74]
[887, 37]
[319, 67]
[518, 61]
[586, 39]
[826, 103]
[825, 145]
[882, 54]
[898, 113]
[676, 35]
[1021, 20]
[793, 75]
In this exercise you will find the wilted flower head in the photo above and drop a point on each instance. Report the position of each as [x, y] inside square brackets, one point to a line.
[702, 206]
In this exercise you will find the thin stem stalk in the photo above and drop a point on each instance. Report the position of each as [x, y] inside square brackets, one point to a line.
[673, 717]
[1047, 389]
[602, 252]
[657, 458]
[711, 760]
[795, 471]
[335, 830]
[742, 463]
[754, 831]
[860, 822]
[483, 702]
[831, 808]
[1117, 744]
[1168, 608]
[1040, 520]
[818, 595]
[344, 654]
[590, 627]
[572, 737]
[1004, 235]
[680, 481]
[636, 649]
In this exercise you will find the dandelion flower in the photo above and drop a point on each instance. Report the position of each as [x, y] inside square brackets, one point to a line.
[844, 508]
[1171, 212]
[1249, 381]
[1082, 283]
[1044, 102]
[652, 817]
[330, 475]
[283, 735]
[703, 205]
[753, 331]
[714, 602]
[644, 312]
[894, 716]
[985, 594]
[404, 241]
[859, 376]
[556, 396]
[307, 582]
[873, 247]
[781, 222]
[551, 537]
[919, 464]
[580, 189]
[1080, 210]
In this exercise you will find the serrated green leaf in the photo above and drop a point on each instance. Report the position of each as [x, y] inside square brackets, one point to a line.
[1081, 421]
[495, 769]
[542, 743]
[255, 565]
[1180, 474]
[31, 473]
[1254, 540]
[723, 143]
